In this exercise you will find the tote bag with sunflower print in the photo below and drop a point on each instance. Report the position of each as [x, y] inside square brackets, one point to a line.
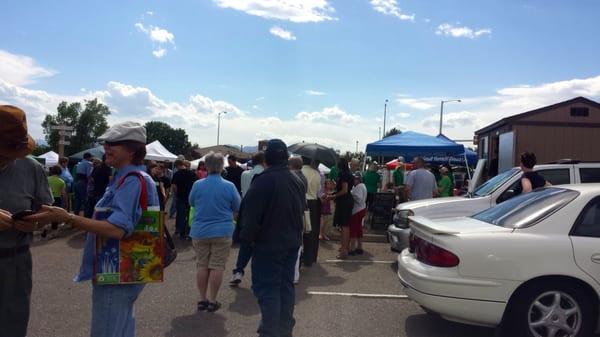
[138, 258]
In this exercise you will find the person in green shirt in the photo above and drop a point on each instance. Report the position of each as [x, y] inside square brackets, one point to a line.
[398, 173]
[445, 184]
[58, 187]
[333, 174]
[372, 180]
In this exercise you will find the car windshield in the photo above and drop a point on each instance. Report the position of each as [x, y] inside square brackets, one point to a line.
[527, 209]
[491, 185]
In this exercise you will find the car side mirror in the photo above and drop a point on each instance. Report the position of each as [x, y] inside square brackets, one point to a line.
[505, 196]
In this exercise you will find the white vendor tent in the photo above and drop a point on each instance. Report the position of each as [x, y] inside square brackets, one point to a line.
[156, 151]
[194, 163]
[51, 158]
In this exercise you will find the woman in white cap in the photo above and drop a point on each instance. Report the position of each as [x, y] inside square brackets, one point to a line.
[125, 148]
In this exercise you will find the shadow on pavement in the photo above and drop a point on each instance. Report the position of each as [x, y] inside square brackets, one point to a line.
[244, 303]
[77, 240]
[198, 325]
[426, 325]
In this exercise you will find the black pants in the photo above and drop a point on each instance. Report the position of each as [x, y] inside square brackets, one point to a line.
[15, 294]
[311, 240]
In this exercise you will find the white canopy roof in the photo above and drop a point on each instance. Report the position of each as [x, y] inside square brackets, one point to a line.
[194, 163]
[156, 151]
[51, 158]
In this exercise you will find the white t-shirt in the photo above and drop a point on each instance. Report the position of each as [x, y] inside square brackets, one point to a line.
[359, 193]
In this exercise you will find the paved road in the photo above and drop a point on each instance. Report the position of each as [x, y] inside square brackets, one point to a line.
[62, 308]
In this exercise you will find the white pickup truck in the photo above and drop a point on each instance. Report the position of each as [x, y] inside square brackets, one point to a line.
[492, 192]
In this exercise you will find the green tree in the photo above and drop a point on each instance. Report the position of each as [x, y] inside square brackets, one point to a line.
[175, 140]
[392, 132]
[88, 122]
[40, 149]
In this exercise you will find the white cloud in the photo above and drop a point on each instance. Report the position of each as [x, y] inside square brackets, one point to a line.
[282, 33]
[390, 7]
[402, 115]
[451, 120]
[333, 113]
[447, 29]
[315, 93]
[420, 104]
[21, 69]
[158, 36]
[151, 13]
[290, 10]
[160, 52]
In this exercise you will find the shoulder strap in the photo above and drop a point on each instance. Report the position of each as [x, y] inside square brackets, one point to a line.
[144, 190]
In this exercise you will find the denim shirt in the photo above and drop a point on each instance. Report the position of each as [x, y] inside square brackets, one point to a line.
[126, 211]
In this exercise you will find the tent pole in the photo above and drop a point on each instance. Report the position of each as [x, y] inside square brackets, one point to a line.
[467, 163]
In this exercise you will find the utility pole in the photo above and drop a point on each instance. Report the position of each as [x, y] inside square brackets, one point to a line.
[357, 146]
[442, 111]
[63, 131]
[219, 125]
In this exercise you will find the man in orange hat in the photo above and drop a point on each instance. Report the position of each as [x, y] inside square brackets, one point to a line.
[24, 187]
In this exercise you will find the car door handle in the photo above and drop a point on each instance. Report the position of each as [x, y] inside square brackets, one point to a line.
[596, 258]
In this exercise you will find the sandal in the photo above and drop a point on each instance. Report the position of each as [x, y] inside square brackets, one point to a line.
[203, 305]
[342, 256]
[212, 307]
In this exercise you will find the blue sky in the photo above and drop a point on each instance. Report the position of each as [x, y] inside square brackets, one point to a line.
[313, 70]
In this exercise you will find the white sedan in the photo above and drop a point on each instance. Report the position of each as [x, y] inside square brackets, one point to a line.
[530, 264]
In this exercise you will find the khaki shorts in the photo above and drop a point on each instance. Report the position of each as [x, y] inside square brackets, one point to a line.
[212, 253]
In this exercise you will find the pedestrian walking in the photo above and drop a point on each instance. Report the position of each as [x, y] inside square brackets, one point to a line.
[444, 184]
[83, 172]
[201, 171]
[421, 183]
[326, 209]
[295, 165]
[99, 179]
[24, 187]
[216, 203]
[343, 205]
[359, 210]
[372, 181]
[398, 179]
[271, 219]
[234, 172]
[531, 179]
[155, 171]
[310, 170]
[245, 250]
[125, 148]
[181, 185]
[65, 175]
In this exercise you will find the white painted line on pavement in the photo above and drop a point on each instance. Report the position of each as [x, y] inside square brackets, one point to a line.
[329, 293]
[360, 261]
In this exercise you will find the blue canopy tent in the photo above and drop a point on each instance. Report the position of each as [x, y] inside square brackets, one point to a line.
[411, 144]
[469, 154]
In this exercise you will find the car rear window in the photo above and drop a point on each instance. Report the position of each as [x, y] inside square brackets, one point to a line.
[527, 209]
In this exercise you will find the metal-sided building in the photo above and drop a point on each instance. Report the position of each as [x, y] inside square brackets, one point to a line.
[569, 129]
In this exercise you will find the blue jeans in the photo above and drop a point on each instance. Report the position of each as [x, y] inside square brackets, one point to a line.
[183, 213]
[173, 208]
[273, 286]
[244, 256]
[112, 310]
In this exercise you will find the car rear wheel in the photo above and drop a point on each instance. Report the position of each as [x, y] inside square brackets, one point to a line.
[552, 310]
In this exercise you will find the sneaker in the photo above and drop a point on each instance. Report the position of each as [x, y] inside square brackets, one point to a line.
[359, 251]
[237, 279]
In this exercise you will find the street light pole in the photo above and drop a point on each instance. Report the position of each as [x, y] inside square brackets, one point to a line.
[380, 132]
[442, 111]
[219, 125]
[384, 115]
[356, 146]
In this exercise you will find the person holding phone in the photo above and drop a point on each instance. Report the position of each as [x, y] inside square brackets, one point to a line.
[117, 213]
[24, 187]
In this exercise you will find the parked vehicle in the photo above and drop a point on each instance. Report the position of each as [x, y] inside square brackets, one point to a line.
[495, 191]
[531, 263]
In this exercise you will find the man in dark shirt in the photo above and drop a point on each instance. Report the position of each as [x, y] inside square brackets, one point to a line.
[234, 172]
[271, 220]
[100, 178]
[181, 185]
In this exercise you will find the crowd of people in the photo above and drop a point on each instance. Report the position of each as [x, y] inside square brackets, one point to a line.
[277, 212]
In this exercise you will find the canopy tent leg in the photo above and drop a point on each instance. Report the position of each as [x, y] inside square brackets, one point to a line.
[467, 164]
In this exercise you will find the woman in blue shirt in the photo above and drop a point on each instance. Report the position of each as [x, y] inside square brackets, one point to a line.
[125, 148]
[216, 202]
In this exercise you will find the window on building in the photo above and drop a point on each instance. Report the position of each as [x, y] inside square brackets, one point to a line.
[580, 112]
[589, 175]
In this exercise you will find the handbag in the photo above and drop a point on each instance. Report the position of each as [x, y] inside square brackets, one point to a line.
[307, 223]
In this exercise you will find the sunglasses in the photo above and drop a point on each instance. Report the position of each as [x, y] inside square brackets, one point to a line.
[117, 143]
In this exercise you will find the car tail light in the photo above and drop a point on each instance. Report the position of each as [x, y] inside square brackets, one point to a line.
[431, 254]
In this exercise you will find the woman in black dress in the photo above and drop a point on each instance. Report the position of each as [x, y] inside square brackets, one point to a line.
[531, 179]
[343, 205]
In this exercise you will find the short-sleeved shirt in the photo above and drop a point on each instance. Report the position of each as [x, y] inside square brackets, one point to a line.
[445, 186]
[214, 200]
[57, 186]
[23, 186]
[234, 174]
[247, 177]
[398, 177]
[422, 184]
[67, 178]
[85, 167]
[184, 180]
[371, 180]
[124, 203]
[313, 180]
